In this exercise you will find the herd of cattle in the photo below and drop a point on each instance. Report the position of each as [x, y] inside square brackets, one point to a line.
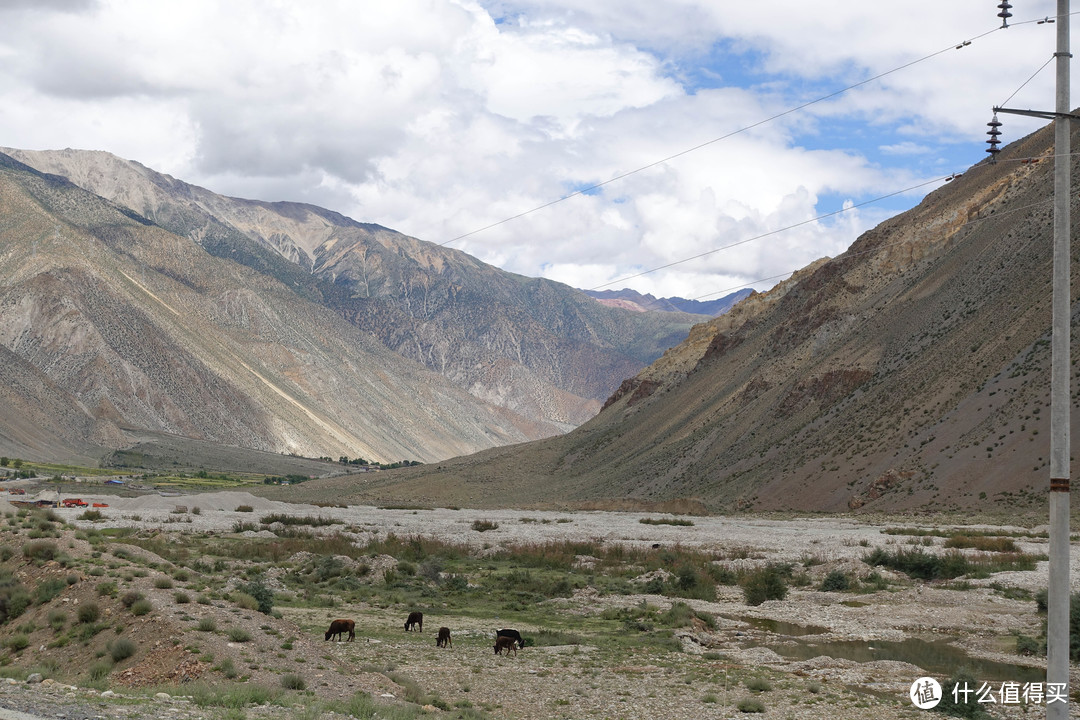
[505, 639]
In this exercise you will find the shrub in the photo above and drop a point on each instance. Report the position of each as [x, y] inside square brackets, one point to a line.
[163, 582]
[263, 596]
[1026, 645]
[42, 550]
[751, 705]
[484, 525]
[100, 670]
[292, 681]
[141, 607]
[245, 601]
[92, 516]
[131, 597]
[48, 589]
[244, 508]
[837, 580]
[107, 589]
[239, 635]
[207, 624]
[227, 668]
[763, 584]
[758, 684]
[181, 598]
[57, 619]
[17, 643]
[970, 708]
[88, 613]
[122, 649]
[14, 598]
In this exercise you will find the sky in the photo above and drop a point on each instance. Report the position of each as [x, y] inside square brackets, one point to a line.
[459, 122]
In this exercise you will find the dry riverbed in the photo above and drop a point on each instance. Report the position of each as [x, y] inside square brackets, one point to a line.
[820, 654]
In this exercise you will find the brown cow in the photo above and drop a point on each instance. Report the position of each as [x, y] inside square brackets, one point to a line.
[444, 638]
[339, 627]
[416, 619]
[505, 643]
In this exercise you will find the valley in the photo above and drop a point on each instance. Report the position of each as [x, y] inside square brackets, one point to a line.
[624, 614]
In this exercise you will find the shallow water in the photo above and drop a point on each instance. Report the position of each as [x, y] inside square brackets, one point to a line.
[938, 658]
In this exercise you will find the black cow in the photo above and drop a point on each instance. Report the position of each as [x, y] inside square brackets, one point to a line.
[512, 634]
[340, 627]
[416, 619]
[444, 638]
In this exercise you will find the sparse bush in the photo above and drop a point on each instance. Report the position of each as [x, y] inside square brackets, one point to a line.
[18, 643]
[1026, 645]
[244, 508]
[48, 589]
[88, 613]
[245, 601]
[40, 550]
[130, 598]
[292, 681]
[57, 619]
[181, 598]
[238, 635]
[92, 516]
[122, 649]
[263, 596]
[163, 582]
[836, 581]
[141, 607]
[484, 525]
[982, 542]
[107, 589]
[100, 670]
[758, 684]
[765, 583]
[207, 624]
[751, 705]
[227, 668]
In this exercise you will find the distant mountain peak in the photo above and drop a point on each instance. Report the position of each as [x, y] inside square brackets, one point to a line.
[633, 300]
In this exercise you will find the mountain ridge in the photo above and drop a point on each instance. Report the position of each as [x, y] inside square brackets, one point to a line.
[540, 349]
[908, 373]
[111, 324]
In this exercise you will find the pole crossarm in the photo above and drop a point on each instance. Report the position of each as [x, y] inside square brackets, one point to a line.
[1044, 114]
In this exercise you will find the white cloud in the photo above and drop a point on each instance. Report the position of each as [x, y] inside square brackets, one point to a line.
[441, 117]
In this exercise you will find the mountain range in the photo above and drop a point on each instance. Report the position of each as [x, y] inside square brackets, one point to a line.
[633, 300]
[135, 306]
[910, 372]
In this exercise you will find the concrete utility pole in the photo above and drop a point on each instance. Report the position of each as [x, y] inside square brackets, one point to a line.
[1057, 626]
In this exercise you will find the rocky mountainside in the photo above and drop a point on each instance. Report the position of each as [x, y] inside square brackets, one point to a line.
[538, 348]
[912, 371]
[111, 325]
[633, 300]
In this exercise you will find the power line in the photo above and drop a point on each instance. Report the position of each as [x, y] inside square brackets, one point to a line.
[733, 133]
[816, 218]
[848, 254]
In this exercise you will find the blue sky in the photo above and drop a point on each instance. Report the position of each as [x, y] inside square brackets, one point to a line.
[439, 117]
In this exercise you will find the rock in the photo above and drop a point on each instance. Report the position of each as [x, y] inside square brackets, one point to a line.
[34, 678]
[162, 696]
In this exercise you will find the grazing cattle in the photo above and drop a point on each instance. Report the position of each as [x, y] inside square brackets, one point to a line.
[513, 635]
[504, 642]
[416, 619]
[340, 627]
[444, 638]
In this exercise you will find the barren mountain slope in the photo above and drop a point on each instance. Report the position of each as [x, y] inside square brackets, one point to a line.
[117, 323]
[536, 347]
[911, 371]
